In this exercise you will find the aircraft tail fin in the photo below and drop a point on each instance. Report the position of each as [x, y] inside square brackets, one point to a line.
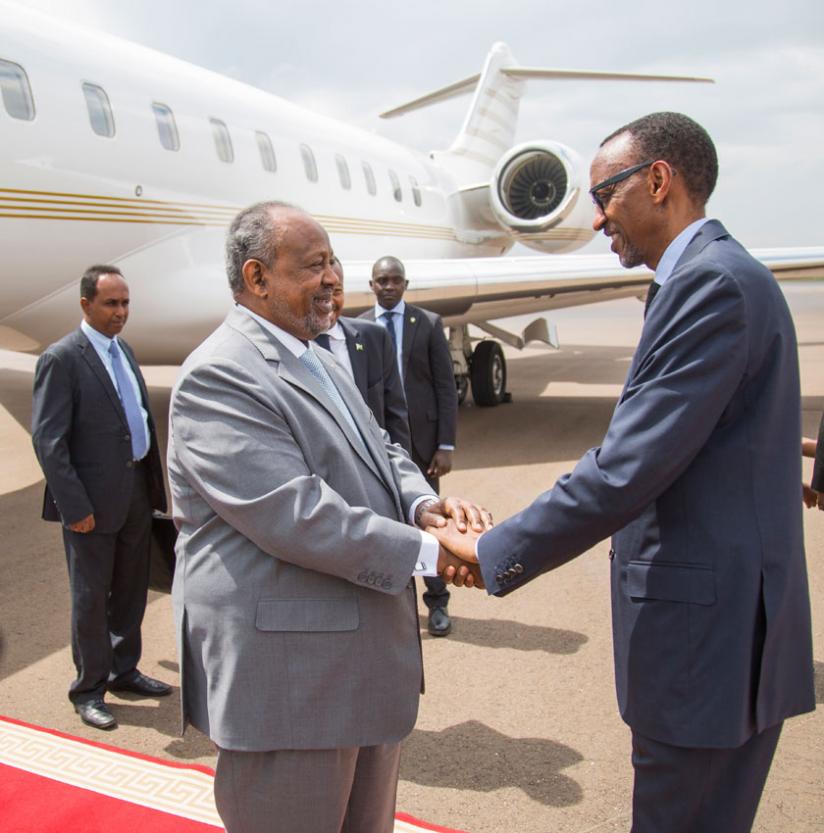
[489, 127]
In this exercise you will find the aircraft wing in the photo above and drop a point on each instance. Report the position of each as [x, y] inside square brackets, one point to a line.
[475, 290]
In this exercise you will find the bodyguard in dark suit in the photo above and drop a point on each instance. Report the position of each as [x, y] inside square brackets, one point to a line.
[95, 440]
[697, 478]
[365, 350]
[814, 493]
[431, 396]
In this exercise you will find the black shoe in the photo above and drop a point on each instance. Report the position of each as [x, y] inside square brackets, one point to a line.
[439, 622]
[142, 685]
[94, 713]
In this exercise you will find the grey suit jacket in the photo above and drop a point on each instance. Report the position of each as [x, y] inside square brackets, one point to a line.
[698, 478]
[428, 379]
[81, 437]
[376, 375]
[295, 611]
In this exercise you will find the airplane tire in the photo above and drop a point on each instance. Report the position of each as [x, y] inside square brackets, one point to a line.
[488, 374]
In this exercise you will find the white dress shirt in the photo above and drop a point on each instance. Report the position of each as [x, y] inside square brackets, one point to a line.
[337, 341]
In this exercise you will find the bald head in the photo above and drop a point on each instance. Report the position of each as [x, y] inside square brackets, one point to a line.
[388, 281]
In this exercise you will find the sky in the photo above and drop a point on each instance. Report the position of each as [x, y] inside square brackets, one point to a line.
[351, 60]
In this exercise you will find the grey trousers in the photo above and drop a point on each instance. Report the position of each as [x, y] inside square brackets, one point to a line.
[308, 791]
[681, 790]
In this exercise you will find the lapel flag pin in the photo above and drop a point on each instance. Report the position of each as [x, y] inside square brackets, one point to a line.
[358, 346]
[412, 320]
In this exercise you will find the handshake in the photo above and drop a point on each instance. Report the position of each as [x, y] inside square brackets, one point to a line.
[457, 524]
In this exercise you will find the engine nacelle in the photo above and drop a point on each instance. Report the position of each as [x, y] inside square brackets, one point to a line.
[538, 193]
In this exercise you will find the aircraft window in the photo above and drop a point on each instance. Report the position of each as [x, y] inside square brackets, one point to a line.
[223, 141]
[100, 111]
[343, 172]
[416, 191]
[166, 126]
[369, 176]
[309, 164]
[267, 152]
[396, 186]
[14, 85]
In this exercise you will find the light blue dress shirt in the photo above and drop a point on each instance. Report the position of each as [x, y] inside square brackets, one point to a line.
[676, 248]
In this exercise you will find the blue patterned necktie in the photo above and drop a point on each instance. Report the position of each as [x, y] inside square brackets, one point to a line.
[389, 323]
[130, 404]
[316, 368]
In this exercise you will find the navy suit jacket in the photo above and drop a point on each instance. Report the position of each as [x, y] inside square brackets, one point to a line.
[376, 376]
[697, 478]
[81, 437]
[428, 379]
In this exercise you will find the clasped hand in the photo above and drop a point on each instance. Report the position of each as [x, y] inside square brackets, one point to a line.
[457, 524]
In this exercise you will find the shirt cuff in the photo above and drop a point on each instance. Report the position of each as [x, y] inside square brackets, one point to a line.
[414, 508]
[446, 448]
[427, 563]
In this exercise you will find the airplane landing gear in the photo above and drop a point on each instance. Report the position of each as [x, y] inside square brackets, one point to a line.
[488, 374]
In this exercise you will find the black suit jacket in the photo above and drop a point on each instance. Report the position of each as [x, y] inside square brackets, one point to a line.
[428, 379]
[81, 437]
[376, 376]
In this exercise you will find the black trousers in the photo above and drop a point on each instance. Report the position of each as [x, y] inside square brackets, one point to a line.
[681, 790]
[109, 579]
[436, 594]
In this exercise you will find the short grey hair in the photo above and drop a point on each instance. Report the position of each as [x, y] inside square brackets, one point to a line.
[253, 235]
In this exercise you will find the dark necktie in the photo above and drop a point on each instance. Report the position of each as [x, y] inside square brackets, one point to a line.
[388, 322]
[130, 404]
[653, 289]
[323, 341]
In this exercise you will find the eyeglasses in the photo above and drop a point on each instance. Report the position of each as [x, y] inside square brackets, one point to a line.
[602, 202]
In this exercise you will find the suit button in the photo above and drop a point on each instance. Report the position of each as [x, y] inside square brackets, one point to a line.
[130, 464]
[518, 569]
[499, 577]
[611, 553]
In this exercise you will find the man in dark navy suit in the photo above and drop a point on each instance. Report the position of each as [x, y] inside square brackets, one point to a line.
[698, 481]
[95, 440]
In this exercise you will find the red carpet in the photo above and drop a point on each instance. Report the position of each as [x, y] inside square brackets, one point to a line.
[51, 782]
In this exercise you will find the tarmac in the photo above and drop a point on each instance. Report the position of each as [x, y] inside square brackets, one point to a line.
[518, 731]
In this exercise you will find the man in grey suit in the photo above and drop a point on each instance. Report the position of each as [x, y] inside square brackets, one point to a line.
[365, 350]
[698, 480]
[95, 440]
[431, 395]
[293, 594]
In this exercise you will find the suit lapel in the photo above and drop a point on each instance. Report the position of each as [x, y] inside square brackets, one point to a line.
[411, 322]
[357, 356]
[89, 355]
[294, 372]
[711, 230]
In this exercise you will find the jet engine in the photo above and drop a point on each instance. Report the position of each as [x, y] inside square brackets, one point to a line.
[538, 193]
